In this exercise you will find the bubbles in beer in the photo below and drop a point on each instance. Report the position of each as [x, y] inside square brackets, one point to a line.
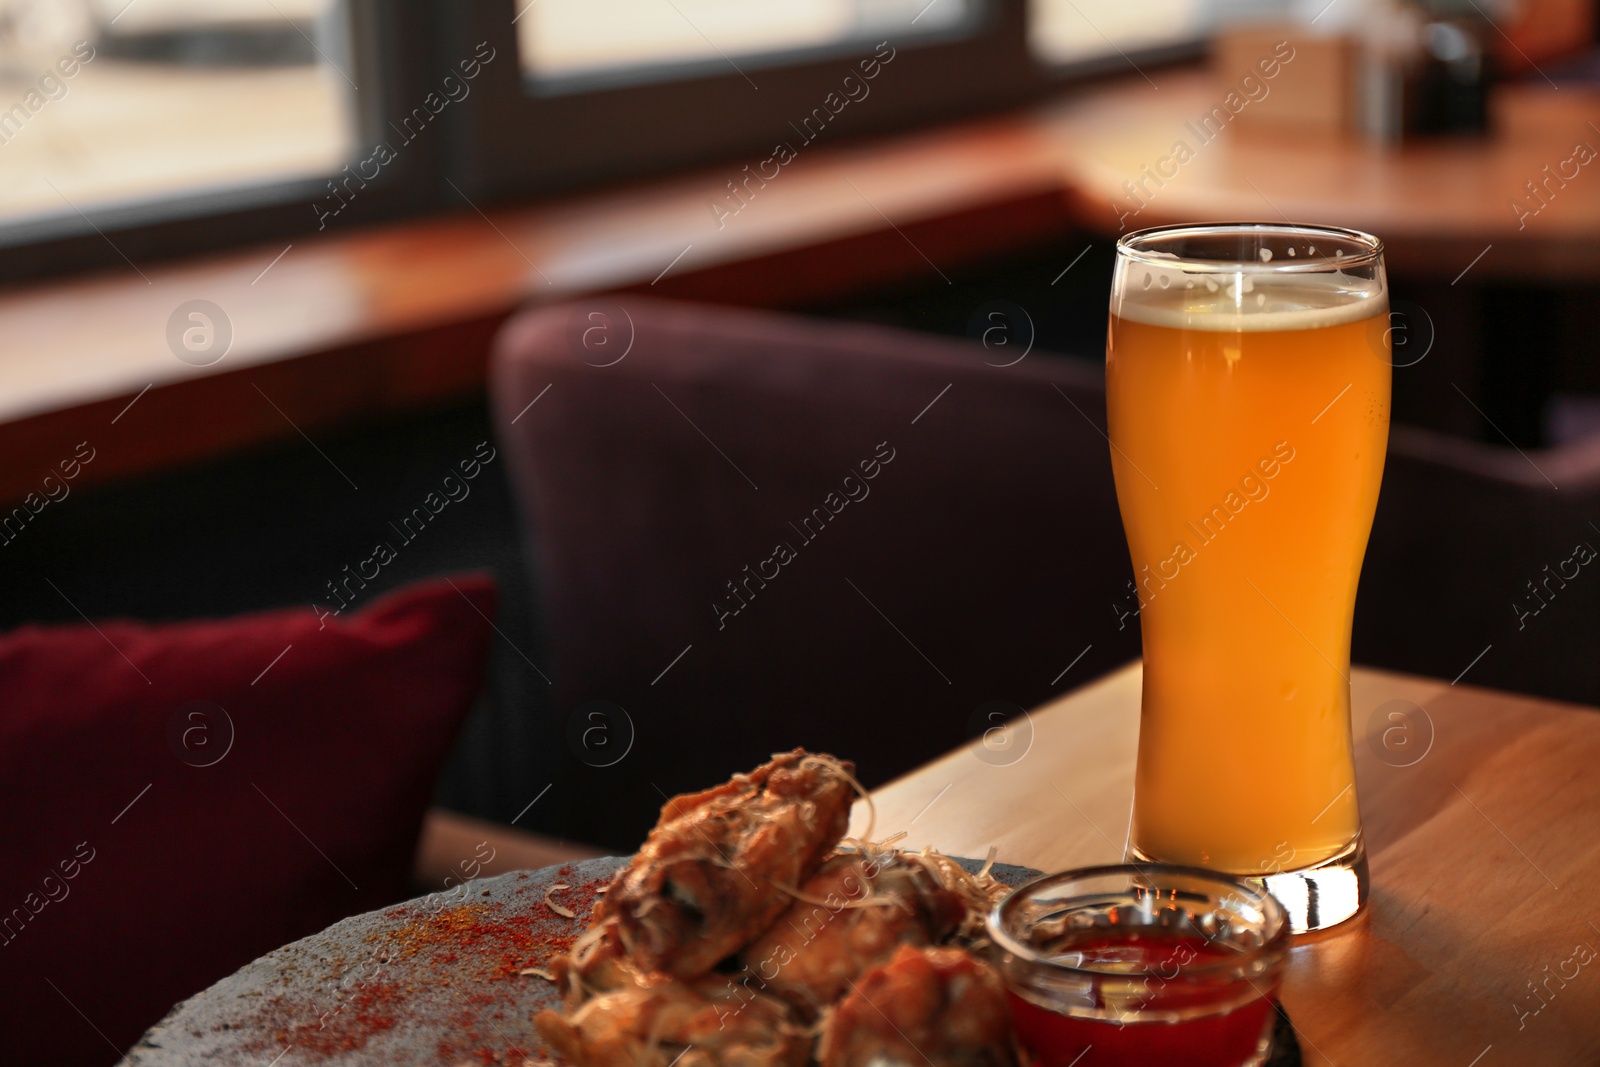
[1245, 300]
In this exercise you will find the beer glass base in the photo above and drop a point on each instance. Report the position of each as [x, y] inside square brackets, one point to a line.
[1325, 894]
[1316, 897]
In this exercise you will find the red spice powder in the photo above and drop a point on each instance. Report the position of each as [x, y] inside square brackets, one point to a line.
[469, 948]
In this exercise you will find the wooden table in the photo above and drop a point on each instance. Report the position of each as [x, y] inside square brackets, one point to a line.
[1436, 203]
[1485, 854]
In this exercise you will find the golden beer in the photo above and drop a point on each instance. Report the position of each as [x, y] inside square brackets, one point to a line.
[1248, 383]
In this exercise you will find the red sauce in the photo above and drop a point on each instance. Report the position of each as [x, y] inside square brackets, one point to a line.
[1213, 1040]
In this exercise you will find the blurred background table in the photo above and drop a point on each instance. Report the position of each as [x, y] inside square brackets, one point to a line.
[1437, 203]
[1492, 242]
[1482, 853]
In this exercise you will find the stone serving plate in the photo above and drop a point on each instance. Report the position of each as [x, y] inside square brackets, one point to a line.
[435, 982]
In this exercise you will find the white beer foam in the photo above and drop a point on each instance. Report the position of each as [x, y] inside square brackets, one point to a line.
[1245, 300]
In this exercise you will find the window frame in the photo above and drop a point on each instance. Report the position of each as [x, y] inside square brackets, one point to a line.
[497, 149]
[388, 50]
[621, 131]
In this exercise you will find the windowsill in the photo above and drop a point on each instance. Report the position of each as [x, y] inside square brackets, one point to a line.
[75, 342]
[345, 327]
[348, 326]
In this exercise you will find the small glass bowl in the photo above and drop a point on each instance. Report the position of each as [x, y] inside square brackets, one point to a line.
[1141, 964]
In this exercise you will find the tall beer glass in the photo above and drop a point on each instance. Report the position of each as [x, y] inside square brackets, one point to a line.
[1247, 388]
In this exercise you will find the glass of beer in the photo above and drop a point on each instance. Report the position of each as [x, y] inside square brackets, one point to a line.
[1247, 394]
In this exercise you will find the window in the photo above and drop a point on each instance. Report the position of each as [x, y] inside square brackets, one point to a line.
[633, 40]
[135, 129]
[1068, 31]
[106, 103]
[1073, 32]
[603, 89]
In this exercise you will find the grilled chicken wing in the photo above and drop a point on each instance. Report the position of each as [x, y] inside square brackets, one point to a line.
[870, 905]
[706, 1022]
[703, 885]
[939, 1007]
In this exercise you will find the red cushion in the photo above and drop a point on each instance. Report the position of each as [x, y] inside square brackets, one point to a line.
[312, 814]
